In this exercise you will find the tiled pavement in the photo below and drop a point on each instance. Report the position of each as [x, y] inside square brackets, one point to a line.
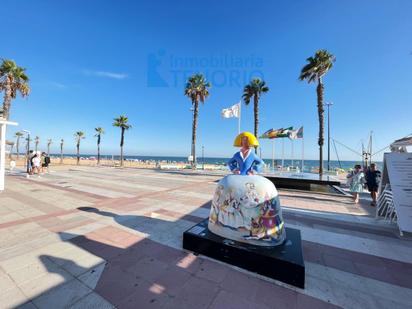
[104, 238]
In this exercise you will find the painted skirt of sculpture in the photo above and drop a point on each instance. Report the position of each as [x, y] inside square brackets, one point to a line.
[247, 209]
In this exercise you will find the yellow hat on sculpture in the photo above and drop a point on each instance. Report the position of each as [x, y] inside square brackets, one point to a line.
[253, 141]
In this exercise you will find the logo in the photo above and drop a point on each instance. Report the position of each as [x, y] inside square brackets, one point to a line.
[221, 70]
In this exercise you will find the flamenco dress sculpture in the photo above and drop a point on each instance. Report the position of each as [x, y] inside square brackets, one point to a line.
[245, 206]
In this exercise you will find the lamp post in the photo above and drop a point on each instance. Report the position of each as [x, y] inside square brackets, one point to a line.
[328, 104]
[203, 157]
[27, 150]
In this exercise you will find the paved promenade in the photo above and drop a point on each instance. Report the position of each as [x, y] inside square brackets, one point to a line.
[84, 237]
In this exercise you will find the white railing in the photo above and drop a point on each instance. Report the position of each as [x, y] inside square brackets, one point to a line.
[385, 207]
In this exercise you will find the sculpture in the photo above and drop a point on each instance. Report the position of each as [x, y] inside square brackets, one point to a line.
[246, 206]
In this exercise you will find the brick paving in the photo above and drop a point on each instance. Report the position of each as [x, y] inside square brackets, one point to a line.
[85, 237]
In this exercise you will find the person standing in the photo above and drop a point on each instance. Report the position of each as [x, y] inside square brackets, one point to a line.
[30, 163]
[36, 163]
[45, 161]
[356, 180]
[373, 179]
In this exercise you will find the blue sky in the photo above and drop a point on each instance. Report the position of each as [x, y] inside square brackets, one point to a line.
[90, 61]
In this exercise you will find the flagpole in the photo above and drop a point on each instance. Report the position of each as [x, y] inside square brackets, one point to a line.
[283, 153]
[303, 158]
[238, 123]
[273, 154]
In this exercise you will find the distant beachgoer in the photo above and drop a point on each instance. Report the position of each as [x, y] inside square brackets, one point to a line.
[356, 180]
[30, 163]
[45, 161]
[36, 163]
[373, 179]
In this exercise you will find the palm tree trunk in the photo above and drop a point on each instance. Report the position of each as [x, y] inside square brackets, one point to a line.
[121, 147]
[7, 98]
[17, 147]
[194, 127]
[48, 149]
[36, 147]
[256, 112]
[78, 153]
[319, 91]
[98, 154]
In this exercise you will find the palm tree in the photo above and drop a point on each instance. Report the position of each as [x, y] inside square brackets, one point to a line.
[36, 142]
[197, 90]
[12, 80]
[255, 89]
[18, 135]
[61, 150]
[121, 122]
[99, 132]
[79, 135]
[313, 71]
[49, 142]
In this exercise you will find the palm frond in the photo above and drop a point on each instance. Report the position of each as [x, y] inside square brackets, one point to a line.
[122, 122]
[79, 135]
[255, 88]
[197, 88]
[99, 131]
[17, 74]
[317, 66]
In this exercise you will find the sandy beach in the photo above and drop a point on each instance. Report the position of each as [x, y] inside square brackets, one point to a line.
[56, 162]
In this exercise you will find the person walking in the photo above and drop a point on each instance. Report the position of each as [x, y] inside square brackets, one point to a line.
[373, 179]
[356, 180]
[30, 163]
[45, 161]
[36, 163]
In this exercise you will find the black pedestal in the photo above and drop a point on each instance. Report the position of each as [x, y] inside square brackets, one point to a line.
[284, 262]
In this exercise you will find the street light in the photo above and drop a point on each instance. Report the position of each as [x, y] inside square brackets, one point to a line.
[328, 104]
[203, 157]
[28, 149]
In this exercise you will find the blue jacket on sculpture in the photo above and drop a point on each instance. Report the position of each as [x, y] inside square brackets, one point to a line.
[245, 165]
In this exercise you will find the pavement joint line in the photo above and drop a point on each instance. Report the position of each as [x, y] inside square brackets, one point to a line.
[67, 189]
[36, 219]
[152, 194]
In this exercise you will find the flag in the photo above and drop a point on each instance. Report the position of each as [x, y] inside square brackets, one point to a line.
[300, 132]
[295, 134]
[232, 111]
[285, 132]
[271, 133]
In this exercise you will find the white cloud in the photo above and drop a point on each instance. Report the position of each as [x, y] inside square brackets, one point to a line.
[107, 74]
[58, 85]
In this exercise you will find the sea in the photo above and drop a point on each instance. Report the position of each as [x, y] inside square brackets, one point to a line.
[309, 165]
